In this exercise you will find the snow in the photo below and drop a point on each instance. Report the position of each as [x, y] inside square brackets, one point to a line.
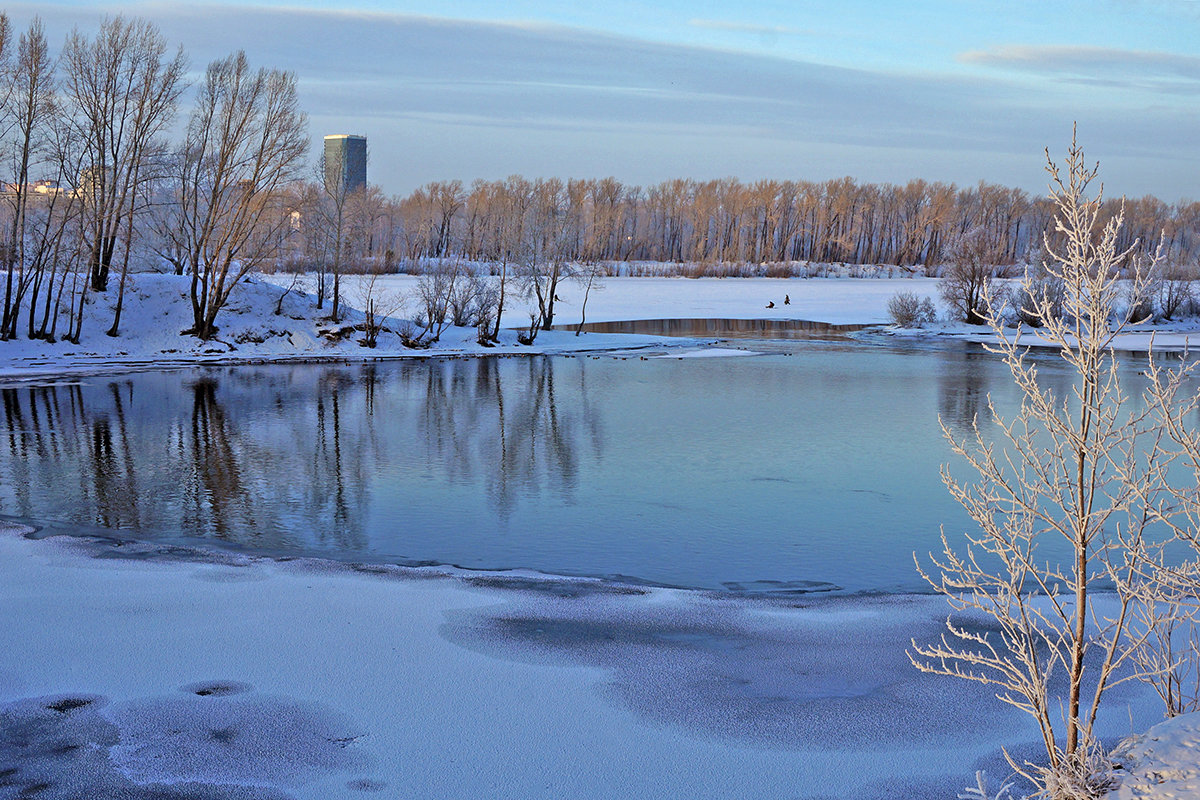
[221, 675]
[708, 352]
[832, 300]
[1176, 336]
[1163, 763]
[157, 309]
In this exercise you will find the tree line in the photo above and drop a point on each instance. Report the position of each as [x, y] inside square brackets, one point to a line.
[97, 182]
[95, 187]
[768, 221]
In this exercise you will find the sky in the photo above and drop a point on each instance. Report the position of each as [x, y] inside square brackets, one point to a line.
[957, 91]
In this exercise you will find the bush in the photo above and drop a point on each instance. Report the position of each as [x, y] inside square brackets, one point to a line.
[909, 310]
[967, 285]
[1176, 290]
[1045, 292]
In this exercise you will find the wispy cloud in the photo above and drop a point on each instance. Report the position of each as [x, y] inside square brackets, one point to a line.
[1186, 8]
[1143, 69]
[450, 98]
[747, 27]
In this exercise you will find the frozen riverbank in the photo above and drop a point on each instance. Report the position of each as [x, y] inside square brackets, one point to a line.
[130, 669]
[157, 309]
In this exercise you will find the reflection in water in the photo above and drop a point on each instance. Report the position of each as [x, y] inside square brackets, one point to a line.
[112, 462]
[288, 457]
[814, 466]
[968, 374]
[963, 389]
[502, 422]
[218, 502]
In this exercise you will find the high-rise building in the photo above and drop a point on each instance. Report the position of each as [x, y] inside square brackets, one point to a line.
[345, 163]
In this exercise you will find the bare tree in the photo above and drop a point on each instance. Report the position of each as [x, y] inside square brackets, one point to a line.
[334, 209]
[41, 247]
[967, 284]
[435, 293]
[512, 198]
[245, 140]
[52, 245]
[365, 211]
[1086, 469]
[377, 304]
[121, 88]
[544, 248]
[31, 99]
[590, 275]
[1177, 289]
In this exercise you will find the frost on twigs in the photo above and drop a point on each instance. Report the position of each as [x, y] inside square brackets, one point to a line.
[1085, 468]
[909, 310]
[980, 790]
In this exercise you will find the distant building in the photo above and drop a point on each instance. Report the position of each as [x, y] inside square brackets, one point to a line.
[345, 163]
[93, 182]
[46, 187]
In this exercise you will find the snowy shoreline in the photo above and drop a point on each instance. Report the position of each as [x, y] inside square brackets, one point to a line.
[139, 669]
[129, 668]
[451, 685]
[157, 309]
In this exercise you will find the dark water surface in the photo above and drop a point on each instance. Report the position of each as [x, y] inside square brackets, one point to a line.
[724, 328]
[811, 467]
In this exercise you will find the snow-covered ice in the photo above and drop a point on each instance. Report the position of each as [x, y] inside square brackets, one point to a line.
[215, 675]
[707, 352]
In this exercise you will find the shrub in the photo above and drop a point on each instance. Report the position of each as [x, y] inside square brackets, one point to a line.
[967, 285]
[1044, 292]
[1140, 303]
[1176, 290]
[909, 310]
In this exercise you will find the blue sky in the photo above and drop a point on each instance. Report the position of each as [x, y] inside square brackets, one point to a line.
[954, 91]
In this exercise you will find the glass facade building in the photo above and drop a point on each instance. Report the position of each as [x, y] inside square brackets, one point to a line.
[345, 163]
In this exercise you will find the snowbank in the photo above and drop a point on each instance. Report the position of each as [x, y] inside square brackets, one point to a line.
[157, 308]
[1163, 337]
[832, 300]
[1163, 763]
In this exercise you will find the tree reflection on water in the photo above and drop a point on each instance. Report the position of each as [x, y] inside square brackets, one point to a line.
[285, 457]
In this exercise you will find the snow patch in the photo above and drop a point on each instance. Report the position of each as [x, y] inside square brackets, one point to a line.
[1163, 763]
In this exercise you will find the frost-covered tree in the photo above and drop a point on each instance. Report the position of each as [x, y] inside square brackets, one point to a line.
[544, 252]
[1086, 469]
[966, 285]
